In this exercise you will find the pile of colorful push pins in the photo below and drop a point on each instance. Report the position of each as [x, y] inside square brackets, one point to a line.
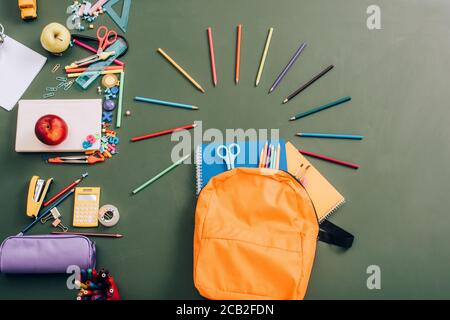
[62, 84]
[97, 285]
[84, 10]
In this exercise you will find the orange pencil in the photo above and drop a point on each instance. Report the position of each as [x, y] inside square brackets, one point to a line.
[262, 159]
[238, 52]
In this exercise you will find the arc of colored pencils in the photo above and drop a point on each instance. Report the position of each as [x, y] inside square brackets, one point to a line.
[212, 57]
[310, 82]
[287, 67]
[91, 234]
[329, 159]
[160, 133]
[181, 70]
[263, 57]
[159, 175]
[329, 135]
[166, 103]
[318, 109]
[238, 52]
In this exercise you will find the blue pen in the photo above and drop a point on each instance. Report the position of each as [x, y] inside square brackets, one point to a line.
[47, 210]
[166, 103]
[329, 135]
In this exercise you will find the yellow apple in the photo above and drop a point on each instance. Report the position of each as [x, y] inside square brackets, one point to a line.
[55, 38]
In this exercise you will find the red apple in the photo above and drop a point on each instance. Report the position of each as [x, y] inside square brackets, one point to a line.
[51, 129]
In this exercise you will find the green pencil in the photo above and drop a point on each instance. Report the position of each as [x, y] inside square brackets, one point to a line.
[119, 107]
[159, 175]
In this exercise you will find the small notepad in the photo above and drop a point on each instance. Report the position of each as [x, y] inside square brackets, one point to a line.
[19, 65]
[325, 198]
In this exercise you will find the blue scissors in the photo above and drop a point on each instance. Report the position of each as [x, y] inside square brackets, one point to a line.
[229, 154]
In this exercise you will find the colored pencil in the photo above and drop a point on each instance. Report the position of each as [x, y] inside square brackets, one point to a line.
[238, 52]
[329, 135]
[181, 70]
[310, 82]
[212, 57]
[260, 157]
[91, 49]
[269, 154]
[91, 234]
[273, 157]
[262, 160]
[287, 67]
[77, 74]
[278, 157]
[263, 57]
[74, 70]
[120, 103]
[318, 109]
[70, 186]
[46, 211]
[159, 175]
[333, 160]
[160, 133]
[166, 103]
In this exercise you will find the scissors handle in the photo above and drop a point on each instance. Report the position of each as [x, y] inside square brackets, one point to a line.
[103, 36]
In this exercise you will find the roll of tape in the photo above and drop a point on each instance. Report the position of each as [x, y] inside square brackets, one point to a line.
[108, 215]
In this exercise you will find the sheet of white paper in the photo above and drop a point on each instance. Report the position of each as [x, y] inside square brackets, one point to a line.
[19, 65]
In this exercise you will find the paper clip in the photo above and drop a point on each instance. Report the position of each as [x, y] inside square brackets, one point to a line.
[67, 85]
[62, 79]
[56, 67]
[51, 89]
[48, 95]
[60, 85]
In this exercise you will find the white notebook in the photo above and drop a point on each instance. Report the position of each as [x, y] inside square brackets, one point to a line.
[19, 65]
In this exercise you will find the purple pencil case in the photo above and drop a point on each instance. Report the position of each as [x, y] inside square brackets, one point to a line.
[46, 253]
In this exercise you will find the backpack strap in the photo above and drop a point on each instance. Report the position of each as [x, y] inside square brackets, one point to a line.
[332, 234]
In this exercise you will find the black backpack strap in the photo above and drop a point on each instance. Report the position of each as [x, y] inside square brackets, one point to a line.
[332, 234]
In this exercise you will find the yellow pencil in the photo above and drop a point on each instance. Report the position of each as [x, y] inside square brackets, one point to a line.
[262, 159]
[182, 71]
[264, 56]
[278, 158]
[75, 75]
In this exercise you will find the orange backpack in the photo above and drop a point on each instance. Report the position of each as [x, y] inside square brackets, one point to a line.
[255, 236]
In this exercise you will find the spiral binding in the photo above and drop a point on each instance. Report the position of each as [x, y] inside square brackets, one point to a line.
[198, 169]
[333, 210]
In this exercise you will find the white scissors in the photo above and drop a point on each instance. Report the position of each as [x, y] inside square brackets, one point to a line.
[229, 154]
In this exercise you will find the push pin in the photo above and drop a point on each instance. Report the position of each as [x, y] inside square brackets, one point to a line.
[128, 113]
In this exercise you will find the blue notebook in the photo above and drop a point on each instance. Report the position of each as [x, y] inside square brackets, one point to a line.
[209, 164]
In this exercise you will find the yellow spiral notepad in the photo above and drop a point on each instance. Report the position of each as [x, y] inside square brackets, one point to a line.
[325, 198]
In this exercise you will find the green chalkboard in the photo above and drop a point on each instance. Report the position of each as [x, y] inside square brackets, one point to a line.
[397, 202]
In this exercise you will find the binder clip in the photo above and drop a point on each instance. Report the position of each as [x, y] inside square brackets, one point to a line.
[37, 191]
[2, 34]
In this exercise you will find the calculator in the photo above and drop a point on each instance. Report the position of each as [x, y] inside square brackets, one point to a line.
[85, 210]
